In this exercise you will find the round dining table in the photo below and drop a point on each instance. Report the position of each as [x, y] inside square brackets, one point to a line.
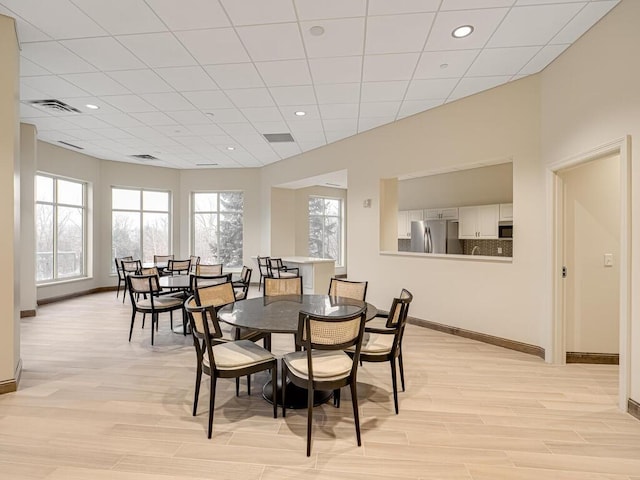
[280, 314]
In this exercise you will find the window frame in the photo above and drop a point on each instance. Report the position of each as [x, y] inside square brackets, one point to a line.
[141, 211]
[341, 246]
[55, 278]
[218, 212]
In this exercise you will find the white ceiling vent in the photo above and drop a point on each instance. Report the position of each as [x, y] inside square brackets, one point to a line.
[52, 104]
[70, 145]
[278, 137]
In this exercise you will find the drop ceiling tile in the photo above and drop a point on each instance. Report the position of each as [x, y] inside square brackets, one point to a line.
[471, 4]
[579, 24]
[30, 69]
[226, 115]
[146, 133]
[397, 66]
[310, 125]
[284, 73]
[190, 117]
[543, 58]
[519, 3]
[385, 7]
[85, 134]
[469, 86]
[484, 23]
[341, 38]
[307, 146]
[340, 124]
[280, 41]
[228, 47]
[314, 10]
[55, 58]
[190, 14]
[106, 53]
[235, 75]
[81, 104]
[59, 19]
[88, 121]
[205, 129]
[122, 16]
[285, 149]
[27, 111]
[129, 103]
[248, 139]
[295, 95]
[373, 122]
[26, 32]
[207, 100]
[383, 37]
[30, 93]
[533, 25]
[141, 81]
[113, 133]
[446, 64]
[311, 137]
[338, 93]
[501, 61]
[253, 12]
[379, 109]
[339, 110]
[96, 83]
[158, 49]
[251, 97]
[186, 79]
[336, 135]
[384, 91]
[262, 114]
[411, 107]
[167, 101]
[53, 86]
[120, 120]
[335, 69]
[52, 123]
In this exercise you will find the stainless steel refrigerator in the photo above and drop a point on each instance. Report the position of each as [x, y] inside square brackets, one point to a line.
[435, 236]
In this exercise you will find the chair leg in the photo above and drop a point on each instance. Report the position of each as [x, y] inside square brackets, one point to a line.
[274, 388]
[395, 383]
[401, 368]
[118, 287]
[144, 316]
[274, 393]
[197, 394]
[212, 401]
[249, 384]
[356, 415]
[309, 416]
[153, 321]
[336, 398]
[237, 386]
[171, 319]
[133, 317]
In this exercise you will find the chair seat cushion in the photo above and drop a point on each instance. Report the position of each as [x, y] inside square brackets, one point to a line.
[284, 274]
[375, 344]
[160, 302]
[239, 354]
[327, 365]
[377, 322]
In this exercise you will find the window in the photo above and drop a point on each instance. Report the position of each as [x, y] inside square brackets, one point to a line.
[60, 228]
[325, 228]
[139, 223]
[217, 227]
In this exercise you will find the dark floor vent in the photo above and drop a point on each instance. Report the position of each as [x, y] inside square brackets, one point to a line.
[145, 156]
[70, 145]
[278, 137]
[52, 104]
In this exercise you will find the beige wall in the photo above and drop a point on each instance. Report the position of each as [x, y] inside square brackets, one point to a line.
[283, 225]
[9, 206]
[473, 186]
[591, 229]
[28, 159]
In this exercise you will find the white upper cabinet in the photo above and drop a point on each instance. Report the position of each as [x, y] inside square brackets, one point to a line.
[441, 214]
[405, 217]
[478, 222]
[506, 212]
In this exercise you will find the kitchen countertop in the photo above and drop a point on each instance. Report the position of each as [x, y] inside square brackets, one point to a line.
[445, 256]
[307, 260]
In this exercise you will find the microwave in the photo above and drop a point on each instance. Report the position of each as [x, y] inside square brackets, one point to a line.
[505, 230]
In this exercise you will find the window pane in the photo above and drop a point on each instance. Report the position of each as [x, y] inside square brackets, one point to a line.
[44, 242]
[70, 193]
[156, 201]
[125, 234]
[205, 239]
[70, 235]
[231, 202]
[44, 189]
[331, 207]
[316, 206]
[315, 236]
[155, 239]
[205, 202]
[230, 253]
[331, 238]
[125, 199]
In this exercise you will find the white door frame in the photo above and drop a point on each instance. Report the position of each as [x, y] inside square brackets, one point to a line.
[557, 355]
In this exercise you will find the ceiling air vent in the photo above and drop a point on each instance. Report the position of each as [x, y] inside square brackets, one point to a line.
[278, 137]
[145, 156]
[70, 145]
[52, 104]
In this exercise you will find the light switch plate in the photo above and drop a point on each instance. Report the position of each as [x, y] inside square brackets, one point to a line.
[608, 259]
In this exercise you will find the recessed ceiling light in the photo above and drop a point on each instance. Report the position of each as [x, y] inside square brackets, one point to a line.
[92, 106]
[316, 30]
[231, 148]
[301, 113]
[462, 31]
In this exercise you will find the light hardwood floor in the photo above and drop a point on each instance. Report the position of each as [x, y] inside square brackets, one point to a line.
[93, 406]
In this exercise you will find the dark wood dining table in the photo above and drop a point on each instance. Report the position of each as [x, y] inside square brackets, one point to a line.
[280, 314]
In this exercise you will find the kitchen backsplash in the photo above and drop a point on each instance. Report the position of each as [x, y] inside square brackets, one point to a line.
[485, 247]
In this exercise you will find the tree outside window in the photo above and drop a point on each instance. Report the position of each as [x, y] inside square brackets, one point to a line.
[325, 228]
[60, 228]
[217, 227]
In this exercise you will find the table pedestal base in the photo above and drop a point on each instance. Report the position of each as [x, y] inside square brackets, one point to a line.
[296, 396]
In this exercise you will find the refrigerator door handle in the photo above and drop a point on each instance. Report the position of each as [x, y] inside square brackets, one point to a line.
[429, 245]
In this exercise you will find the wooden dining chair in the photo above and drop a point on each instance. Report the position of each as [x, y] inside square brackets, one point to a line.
[195, 261]
[241, 285]
[223, 359]
[383, 339]
[263, 269]
[121, 276]
[209, 269]
[282, 286]
[129, 267]
[278, 269]
[339, 287]
[178, 267]
[323, 365]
